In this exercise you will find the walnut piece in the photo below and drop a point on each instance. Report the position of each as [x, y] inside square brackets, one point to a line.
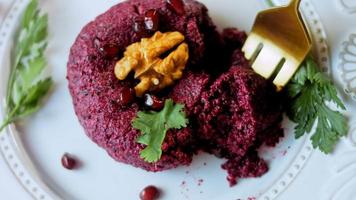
[154, 72]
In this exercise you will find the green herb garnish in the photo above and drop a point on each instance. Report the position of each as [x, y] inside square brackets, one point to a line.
[310, 93]
[270, 3]
[154, 126]
[26, 88]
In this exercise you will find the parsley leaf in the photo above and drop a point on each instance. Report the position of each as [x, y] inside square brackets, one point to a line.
[154, 126]
[310, 93]
[26, 87]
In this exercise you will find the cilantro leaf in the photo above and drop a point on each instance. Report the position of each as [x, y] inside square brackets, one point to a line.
[26, 87]
[154, 126]
[310, 93]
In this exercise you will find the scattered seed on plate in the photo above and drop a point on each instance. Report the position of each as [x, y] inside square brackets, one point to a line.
[68, 161]
[150, 193]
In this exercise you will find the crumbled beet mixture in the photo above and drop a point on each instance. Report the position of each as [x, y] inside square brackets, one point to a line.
[232, 111]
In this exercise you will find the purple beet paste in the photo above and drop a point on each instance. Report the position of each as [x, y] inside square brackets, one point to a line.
[232, 111]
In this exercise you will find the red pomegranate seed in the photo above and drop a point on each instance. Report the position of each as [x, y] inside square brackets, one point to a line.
[149, 193]
[68, 161]
[151, 20]
[111, 50]
[138, 26]
[177, 6]
[153, 102]
[97, 43]
[126, 96]
[108, 50]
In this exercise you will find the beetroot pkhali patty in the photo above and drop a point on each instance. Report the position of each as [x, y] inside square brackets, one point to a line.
[96, 90]
[232, 111]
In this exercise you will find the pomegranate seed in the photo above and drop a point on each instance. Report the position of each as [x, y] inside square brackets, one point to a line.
[111, 50]
[126, 96]
[139, 26]
[108, 50]
[151, 20]
[177, 6]
[97, 43]
[68, 161]
[153, 102]
[149, 193]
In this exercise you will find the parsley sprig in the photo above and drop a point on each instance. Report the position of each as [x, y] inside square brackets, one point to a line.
[310, 95]
[26, 87]
[154, 126]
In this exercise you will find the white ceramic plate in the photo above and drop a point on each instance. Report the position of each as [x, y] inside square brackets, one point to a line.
[33, 148]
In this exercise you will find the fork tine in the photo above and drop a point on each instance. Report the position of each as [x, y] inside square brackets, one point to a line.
[267, 60]
[251, 46]
[286, 73]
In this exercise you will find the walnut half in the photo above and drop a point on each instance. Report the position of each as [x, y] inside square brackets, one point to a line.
[154, 72]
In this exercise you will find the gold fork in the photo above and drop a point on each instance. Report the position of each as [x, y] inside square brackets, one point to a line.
[278, 43]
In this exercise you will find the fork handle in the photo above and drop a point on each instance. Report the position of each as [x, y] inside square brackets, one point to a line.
[295, 3]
